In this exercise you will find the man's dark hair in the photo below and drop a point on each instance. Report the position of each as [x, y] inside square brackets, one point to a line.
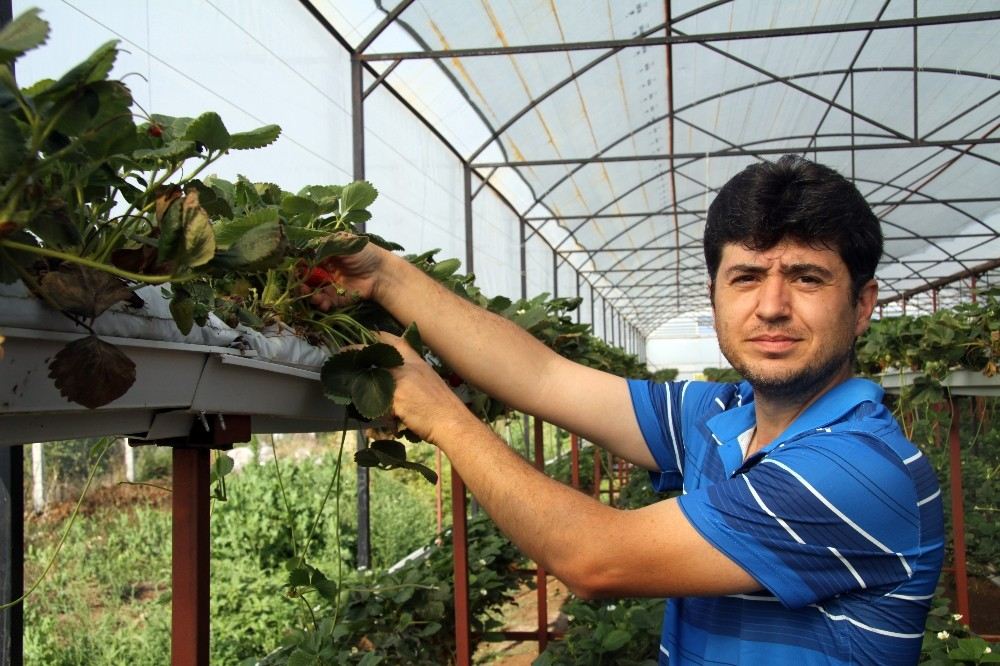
[795, 199]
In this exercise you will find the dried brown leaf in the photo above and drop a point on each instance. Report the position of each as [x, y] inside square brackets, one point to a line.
[92, 372]
[83, 291]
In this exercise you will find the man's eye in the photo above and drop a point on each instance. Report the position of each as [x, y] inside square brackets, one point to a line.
[810, 279]
[744, 278]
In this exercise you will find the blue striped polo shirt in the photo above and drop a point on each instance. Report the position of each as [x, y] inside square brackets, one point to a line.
[839, 519]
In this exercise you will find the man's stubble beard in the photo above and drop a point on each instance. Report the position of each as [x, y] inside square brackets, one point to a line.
[795, 386]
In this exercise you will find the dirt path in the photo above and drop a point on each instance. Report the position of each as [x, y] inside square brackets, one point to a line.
[523, 616]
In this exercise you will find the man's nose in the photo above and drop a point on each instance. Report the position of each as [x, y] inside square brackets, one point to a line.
[773, 299]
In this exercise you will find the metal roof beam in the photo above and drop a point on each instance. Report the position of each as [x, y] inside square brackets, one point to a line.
[730, 152]
[940, 202]
[701, 38]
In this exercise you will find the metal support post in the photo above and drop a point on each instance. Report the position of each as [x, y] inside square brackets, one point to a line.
[540, 576]
[12, 553]
[460, 553]
[38, 477]
[523, 259]
[364, 545]
[574, 453]
[191, 557]
[470, 266]
[555, 274]
[363, 474]
[958, 514]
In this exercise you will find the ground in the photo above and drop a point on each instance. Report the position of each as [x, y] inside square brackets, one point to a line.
[523, 616]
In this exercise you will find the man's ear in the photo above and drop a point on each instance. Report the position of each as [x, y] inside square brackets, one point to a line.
[867, 298]
[711, 292]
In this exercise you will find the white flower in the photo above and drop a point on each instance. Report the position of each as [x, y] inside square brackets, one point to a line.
[956, 617]
[611, 607]
[943, 635]
[987, 650]
[482, 593]
[482, 563]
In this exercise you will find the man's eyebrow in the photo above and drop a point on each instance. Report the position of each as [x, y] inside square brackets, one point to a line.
[801, 269]
[791, 269]
[746, 268]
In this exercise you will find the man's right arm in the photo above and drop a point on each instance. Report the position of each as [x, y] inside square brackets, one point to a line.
[499, 357]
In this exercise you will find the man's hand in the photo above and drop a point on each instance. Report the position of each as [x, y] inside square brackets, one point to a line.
[422, 400]
[348, 278]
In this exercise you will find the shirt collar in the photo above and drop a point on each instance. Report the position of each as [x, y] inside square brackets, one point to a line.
[828, 408]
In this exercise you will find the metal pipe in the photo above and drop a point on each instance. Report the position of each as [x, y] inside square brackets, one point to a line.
[958, 513]
[741, 152]
[541, 581]
[701, 38]
[460, 554]
[191, 557]
[574, 457]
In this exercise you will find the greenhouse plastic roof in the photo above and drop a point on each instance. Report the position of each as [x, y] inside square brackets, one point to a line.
[609, 125]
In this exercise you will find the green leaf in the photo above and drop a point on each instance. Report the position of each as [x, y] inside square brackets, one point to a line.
[175, 150]
[300, 657]
[95, 68]
[182, 310]
[412, 337]
[13, 146]
[357, 195]
[378, 355]
[24, 33]
[337, 374]
[498, 304]
[260, 247]
[338, 244]
[383, 243]
[390, 448]
[371, 392]
[208, 130]
[228, 232]
[212, 200]
[444, 269]
[616, 639]
[389, 454]
[292, 205]
[256, 138]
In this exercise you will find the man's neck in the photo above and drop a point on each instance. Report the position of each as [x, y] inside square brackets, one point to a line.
[775, 415]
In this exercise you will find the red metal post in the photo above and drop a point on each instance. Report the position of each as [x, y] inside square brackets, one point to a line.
[439, 492]
[611, 479]
[574, 455]
[191, 557]
[934, 300]
[973, 290]
[460, 553]
[597, 474]
[540, 577]
[958, 516]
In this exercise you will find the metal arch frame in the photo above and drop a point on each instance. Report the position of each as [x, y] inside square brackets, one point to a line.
[792, 31]
[703, 39]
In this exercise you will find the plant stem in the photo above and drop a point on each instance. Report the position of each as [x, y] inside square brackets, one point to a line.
[108, 441]
[284, 497]
[90, 263]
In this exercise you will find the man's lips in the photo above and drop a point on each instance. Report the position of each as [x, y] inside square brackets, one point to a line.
[773, 343]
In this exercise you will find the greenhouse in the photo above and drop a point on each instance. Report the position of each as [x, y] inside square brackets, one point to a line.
[253, 253]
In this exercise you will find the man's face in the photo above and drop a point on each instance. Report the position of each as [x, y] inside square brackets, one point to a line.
[786, 318]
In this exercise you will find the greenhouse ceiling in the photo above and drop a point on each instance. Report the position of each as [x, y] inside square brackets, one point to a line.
[609, 125]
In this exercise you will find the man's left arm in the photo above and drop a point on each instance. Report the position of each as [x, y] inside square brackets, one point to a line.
[598, 551]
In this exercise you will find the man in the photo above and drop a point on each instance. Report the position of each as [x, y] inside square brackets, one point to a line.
[809, 529]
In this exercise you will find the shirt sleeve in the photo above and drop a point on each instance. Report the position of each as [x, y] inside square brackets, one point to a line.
[661, 411]
[816, 518]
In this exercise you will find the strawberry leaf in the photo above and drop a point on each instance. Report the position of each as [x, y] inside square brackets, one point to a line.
[92, 372]
[371, 392]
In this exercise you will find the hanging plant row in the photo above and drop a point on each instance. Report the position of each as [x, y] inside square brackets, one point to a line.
[965, 337]
[96, 202]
